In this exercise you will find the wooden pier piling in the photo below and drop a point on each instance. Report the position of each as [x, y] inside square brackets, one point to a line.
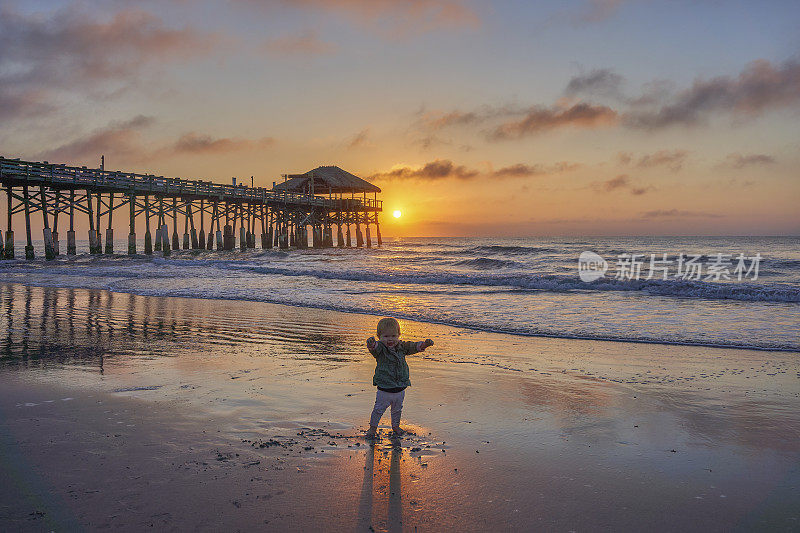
[159, 223]
[201, 244]
[359, 236]
[148, 240]
[49, 253]
[8, 251]
[132, 225]
[175, 243]
[56, 210]
[192, 230]
[110, 229]
[72, 248]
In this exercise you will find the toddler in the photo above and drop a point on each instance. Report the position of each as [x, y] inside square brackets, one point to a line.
[391, 371]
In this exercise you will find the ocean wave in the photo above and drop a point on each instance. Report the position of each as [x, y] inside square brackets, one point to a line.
[642, 337]
[790, 264]
[478, 326]
[509, 250]
[486, 263]
[677, 288]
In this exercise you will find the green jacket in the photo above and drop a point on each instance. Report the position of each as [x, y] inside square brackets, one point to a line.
[391, 369]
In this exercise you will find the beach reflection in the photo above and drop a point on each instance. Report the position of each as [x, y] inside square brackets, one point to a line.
[42, 325]
[527, 421]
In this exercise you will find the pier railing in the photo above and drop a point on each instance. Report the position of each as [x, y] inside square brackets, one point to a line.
[17, 172]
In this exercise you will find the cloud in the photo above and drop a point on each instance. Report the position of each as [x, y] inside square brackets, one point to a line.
[303, 44]
[119, 139]
[23, 103]
[444, 168]
[521, 170]
[603, 82]
[437, 120]
[746, 160]
[194, 143]
[539, 119]
[621, 182]
[759, 87]
[123, 141]
[68, 46]
[616, 183]
[427, 142]
[360, 140]
[433, 171]
[672, 159]
[596, 10]
[672, 213]
[67, 50]
[398, 17]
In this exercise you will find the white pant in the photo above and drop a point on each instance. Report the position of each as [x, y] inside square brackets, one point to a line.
[383, 400]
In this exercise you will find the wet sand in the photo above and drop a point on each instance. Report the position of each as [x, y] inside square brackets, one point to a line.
[128, 412]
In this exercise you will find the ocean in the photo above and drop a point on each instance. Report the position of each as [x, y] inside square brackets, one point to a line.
[738, 292]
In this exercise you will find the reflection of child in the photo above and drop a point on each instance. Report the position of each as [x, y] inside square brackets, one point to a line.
[391, 371]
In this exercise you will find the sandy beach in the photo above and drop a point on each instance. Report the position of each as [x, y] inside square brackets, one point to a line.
[127, 412]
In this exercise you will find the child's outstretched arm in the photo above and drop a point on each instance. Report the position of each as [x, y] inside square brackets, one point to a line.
[372, 345]
[414, 347]
[421, 345]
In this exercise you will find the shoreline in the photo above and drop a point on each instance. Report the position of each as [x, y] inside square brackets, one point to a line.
[512, 432]
[440, 323]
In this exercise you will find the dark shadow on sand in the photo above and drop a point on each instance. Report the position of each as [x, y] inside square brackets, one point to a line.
[394, 515]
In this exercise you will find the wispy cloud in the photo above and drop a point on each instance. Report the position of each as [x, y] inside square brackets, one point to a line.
[433, 171]
[360, 140]
[521, 170]
[306, 43]
[596, 10]
[195, 143]
[125, 142]
[69, 47]
[437, 119]
[119, 139]
[539, 119]
[598, 82]
[737, 161]
[672, 159]
[759, 87]
[622, 182]
[394, 18]
[676, 213]
[19, 103]
[47, 58]
[445, 168]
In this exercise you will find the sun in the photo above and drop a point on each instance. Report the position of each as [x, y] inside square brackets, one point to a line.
[397, 214]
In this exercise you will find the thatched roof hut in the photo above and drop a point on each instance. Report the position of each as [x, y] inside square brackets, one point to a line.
[326, 180]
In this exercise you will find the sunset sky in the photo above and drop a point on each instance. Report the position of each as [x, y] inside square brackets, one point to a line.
[505, 118]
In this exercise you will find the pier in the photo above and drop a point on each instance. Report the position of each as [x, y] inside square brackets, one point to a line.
[203, 215]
